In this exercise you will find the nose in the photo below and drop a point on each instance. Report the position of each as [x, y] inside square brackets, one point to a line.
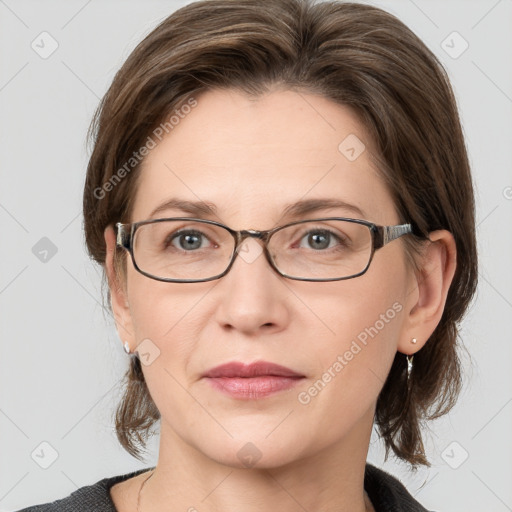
[252, 296]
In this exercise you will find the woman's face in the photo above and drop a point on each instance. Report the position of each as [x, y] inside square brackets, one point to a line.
[252, 158]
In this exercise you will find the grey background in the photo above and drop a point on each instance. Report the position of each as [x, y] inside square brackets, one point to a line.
[61, 360]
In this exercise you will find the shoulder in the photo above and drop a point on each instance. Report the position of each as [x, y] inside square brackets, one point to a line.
[95, 497]
[387, 493]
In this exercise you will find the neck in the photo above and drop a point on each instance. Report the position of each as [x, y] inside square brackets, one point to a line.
[331, 479]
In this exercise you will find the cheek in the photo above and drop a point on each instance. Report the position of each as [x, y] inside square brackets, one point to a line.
[167, 314]
[366, 349]
[166, 327]
[361, 322]
[362, 336]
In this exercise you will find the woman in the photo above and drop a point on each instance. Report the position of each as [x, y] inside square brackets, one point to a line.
[280, 197]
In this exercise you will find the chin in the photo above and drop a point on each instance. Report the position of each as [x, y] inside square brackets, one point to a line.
[252, 452]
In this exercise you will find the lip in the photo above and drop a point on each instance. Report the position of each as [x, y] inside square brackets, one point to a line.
[252, 381]
[256, 369]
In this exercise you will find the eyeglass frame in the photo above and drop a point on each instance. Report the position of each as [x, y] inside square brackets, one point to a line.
[380, 236]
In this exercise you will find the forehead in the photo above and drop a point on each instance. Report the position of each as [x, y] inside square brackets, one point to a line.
[252, 158]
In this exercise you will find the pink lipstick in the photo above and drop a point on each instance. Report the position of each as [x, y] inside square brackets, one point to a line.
[252, 381]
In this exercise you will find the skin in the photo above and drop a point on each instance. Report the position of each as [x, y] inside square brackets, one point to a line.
[234, 151]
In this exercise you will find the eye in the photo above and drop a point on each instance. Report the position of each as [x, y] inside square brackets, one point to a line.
[319, 239]
[188, 240]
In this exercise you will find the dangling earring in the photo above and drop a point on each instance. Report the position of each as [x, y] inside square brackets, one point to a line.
[409, 360]
[127, 347]
[409, 365]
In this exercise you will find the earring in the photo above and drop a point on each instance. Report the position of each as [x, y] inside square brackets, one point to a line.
[414, 340]
[127, 347]
[409, 365]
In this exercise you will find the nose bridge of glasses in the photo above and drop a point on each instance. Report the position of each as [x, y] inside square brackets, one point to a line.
[251, 233]
[242, 235]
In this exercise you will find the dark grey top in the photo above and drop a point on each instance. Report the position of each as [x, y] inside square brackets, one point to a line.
[386, 493]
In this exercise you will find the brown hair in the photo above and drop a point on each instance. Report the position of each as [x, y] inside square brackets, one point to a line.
[352, 54]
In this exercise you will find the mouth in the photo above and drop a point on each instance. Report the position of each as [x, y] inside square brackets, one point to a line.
[252, 381]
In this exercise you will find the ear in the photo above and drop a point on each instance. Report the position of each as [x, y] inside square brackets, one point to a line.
[426, 300]
[118, 292]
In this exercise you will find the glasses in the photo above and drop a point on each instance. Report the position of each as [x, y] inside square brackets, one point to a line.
[188, 250]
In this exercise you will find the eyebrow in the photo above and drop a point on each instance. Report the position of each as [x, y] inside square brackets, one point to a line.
[297, 209]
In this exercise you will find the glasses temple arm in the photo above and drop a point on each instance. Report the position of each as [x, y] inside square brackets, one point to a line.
[386, 234]
[123, 238]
